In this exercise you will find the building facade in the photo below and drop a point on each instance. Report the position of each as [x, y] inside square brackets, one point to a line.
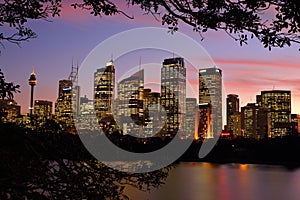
[255, 121]
[43, 109]
[232, 107]
[9, 110]
[210, 93]
[104, 85]
[63, 104]
[278, 104]
[191, 127]
[129, 103]
[173, 94]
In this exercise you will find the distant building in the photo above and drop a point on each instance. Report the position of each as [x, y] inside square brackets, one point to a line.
[104, 85]
[255, 121]
[204, 126]
[63, 105]
[173, 94]
[9, 110]
[129, 102]
[295, 123]
[210, 93]
[278, 104]
[232, 107]
[236, 124]
[258, 100]
[42, 109]
[191, 117]
[86, 121]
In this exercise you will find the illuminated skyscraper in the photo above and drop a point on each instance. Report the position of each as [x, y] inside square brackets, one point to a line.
[278, 103]
[10, 110]
[173, 94]
[130, 102]
[255, 121]
[104, 85]
[32, 82]
[190, 120]
[43, 109]
[210, 93]
[63, 105]
[232, 107]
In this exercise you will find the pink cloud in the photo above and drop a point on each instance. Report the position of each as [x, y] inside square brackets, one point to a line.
[259, 63]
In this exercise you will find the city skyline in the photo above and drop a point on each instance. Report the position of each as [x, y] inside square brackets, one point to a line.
[271, 108]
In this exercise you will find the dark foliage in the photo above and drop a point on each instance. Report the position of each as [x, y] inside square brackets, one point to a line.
[57, 166]
[275, 23]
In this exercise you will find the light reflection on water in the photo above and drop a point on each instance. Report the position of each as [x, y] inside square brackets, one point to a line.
[208, 181]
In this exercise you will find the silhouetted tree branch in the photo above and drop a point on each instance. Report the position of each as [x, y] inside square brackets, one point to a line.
[57, 166]
[7, 89]
[275, 23]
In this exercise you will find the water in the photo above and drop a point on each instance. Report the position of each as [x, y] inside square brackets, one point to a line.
[206, 181]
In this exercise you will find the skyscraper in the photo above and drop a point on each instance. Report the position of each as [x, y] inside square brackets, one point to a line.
[104, 85]
[63, 104]
[232, 107]
[129, 102]
[173, 94]
[255, 121]
[210, 93]
[191, 117]
[278, 103]
[43, 108]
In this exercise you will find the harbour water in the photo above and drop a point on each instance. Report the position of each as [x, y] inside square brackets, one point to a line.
[207, 181]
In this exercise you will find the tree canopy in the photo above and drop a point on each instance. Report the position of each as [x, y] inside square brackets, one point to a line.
[275, 23]
[7, 89]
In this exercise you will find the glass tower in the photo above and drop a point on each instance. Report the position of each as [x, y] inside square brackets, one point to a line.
[210, 94]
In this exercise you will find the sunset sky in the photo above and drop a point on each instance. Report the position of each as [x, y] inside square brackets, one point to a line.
[246, 70]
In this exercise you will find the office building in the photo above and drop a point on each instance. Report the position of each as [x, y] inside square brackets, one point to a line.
[43, 109]
[10, 110]
[192, 110]
[129, 103]
[104, 85]
[232, 107]
[210, 95]
[278, 104]
[173, 94]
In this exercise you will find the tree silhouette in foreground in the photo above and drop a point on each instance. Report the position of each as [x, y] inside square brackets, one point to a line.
[57, 166]
[275, 23]
[7, 89]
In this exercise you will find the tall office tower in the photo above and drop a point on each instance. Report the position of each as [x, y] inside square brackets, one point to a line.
[63, 104]
[43, 109]
[191, 117]
[204, 125]
[278, 103]
[32, 82]
[145, 112]
[129, 90]
[255, 121]
[10, 110]
[232, 107]
[86, 120]
[173, 94]
[104, 84]
[236, 120]
[210, 93]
